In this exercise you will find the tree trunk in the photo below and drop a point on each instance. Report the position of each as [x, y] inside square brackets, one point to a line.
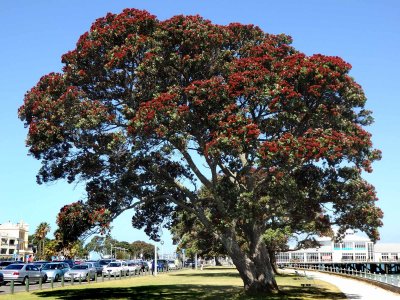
[254, 268]
[273, 261]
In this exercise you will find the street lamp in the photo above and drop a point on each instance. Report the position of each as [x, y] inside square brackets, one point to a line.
[162, 249]
[155, 260]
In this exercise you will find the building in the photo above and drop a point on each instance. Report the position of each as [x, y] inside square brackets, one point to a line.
[14, 241]
[352, 248]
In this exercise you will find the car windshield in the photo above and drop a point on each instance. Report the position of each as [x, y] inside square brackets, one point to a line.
[51, 266]
[80, 267]
[14, 267]
[114, 264]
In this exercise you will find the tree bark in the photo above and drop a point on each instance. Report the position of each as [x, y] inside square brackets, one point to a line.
[255, 268]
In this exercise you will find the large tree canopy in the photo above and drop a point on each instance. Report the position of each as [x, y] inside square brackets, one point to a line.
[148, 112]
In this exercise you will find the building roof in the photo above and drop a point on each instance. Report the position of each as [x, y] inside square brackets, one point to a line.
[380, 248]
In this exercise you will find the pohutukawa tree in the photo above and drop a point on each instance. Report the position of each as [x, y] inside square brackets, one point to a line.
[148, 112]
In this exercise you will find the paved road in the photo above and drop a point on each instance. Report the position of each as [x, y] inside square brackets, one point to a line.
[354, 289]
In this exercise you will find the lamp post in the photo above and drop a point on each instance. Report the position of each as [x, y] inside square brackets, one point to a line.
[162, 249]
[155, 260]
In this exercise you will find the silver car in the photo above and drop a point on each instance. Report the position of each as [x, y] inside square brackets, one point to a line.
[55, 270]
[22, 272]
[83, 271]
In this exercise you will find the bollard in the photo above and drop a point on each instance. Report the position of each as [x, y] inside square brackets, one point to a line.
[72, 280]
[80, 279]
[95, 277]
[62, 280]
[102, 277]
[120, 274]
[109, 275]
[51, 283]
[12, 287]
[40, 283]
[27, 285]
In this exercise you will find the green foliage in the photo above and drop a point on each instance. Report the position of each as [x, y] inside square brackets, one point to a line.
[140, 249]
[147, 112]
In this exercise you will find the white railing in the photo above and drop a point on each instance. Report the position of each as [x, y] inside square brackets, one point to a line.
[391, 279]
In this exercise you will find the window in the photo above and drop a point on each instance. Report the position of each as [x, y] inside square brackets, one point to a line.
[361, 256]
[394, 256]
[282, 257]
[336, 246]
[312, 257]
[298, 257]
[12, 242]
[11, 251]
[3, 250]
[360, 245]
[4, 242]
[347, 257]
[385, 256]
[348, 246]
[326, 256]
[370, 251]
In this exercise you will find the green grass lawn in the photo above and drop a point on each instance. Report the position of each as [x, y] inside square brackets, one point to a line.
[211, 283]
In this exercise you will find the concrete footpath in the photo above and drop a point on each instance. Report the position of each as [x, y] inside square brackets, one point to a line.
[353, 289]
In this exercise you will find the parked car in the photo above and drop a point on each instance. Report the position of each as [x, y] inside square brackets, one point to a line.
[189, 263]
[21, 272]
[70, 262]
[171, 265]
[55, 270]
[144, 266]
[105, 261]
[5, 263]
[97, 266]
[39, 263]
[83, 271]
[133, 267]
[116, 268]
[162, 265]
[1, 279]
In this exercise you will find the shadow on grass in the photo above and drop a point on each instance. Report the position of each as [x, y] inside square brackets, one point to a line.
[208, 274]
[187, 291]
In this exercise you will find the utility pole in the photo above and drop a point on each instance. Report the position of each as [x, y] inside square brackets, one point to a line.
[155, 259]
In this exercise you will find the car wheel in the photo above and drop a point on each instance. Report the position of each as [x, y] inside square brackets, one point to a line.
[57, 277]
[24, 280]
[44, 279]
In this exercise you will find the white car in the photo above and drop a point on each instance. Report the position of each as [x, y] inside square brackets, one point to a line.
[116, 268]
[171, 265]
[133, 267]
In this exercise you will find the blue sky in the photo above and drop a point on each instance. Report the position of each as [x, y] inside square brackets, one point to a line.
[34, 35]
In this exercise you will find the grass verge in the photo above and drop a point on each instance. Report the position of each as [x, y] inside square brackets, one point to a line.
[209, 284]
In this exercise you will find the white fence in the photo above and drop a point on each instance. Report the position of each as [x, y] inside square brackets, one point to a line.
[390, 279]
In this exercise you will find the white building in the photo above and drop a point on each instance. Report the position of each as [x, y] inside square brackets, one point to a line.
[352, 248]
[14, 241]
[387, 252]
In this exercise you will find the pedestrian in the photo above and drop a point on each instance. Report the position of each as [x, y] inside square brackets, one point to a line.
[152, 267]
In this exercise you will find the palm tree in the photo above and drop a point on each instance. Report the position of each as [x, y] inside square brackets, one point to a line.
[40, 236]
